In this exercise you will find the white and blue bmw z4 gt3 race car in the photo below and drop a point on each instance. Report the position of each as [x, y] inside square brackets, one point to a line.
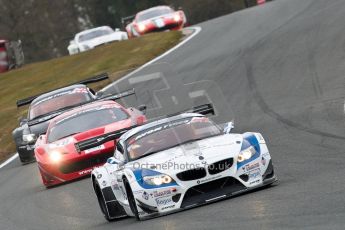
[178, 163]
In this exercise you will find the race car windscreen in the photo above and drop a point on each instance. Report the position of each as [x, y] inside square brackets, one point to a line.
[84, 121]
[58, 101]
[94, 34]
[170, 135]
[154, 13]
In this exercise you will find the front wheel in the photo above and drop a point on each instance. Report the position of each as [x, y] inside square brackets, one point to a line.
[131, 199]
[101, 201]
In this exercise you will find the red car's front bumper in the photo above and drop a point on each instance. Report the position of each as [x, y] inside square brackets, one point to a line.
[72, 166]
[160, 25]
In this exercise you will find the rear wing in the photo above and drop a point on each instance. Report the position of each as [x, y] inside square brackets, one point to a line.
[117, 96]
[97, 141]
[107, 97]
[205, 109]
[96, 78]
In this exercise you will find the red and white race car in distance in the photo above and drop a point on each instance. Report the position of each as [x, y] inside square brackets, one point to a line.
[155, 19]
[57, 157]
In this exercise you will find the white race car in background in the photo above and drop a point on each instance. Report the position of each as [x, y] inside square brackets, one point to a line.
[178, 163]
[89, 39]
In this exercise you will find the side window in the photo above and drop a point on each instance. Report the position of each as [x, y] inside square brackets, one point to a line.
[119, 148]
[119, 152]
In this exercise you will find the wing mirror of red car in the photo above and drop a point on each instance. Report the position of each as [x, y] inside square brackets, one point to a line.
[22, 120]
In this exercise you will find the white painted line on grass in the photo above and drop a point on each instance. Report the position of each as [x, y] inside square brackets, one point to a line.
[12, 158]
[196, 29]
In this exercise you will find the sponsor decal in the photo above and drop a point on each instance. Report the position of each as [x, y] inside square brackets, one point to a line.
[89, 110]
[255, 182]
[159, 128]
[145, 195]
[161, 193]
[168, 207]
[94, 149]
[254, 174]
[263, 161]
[164, 201]
[250, 167]
[85, 172]
[54, 96]
[208, 179]
[79, 90]
[116, 187]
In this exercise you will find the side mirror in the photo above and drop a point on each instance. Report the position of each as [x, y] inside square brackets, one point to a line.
[228, 127]
[142, 108]
[114, 161]
[22, 121]
[92, 91]
[99, 94]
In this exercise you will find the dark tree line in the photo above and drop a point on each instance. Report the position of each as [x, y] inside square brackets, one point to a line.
[46, 26]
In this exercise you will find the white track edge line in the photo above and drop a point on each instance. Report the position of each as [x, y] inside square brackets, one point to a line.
[12, 158]
[197, 30]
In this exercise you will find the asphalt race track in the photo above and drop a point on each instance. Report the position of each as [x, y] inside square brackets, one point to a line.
[278, 69]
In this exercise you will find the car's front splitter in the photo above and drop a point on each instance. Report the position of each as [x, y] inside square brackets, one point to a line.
[207, 199]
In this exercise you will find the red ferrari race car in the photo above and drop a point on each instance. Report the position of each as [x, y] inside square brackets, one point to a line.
[159, 18]
[57, 157]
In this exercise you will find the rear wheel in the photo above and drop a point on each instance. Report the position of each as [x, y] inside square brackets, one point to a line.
[131, 199]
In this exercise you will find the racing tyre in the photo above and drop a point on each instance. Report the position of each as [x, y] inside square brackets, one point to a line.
[101, 201]
[25, 161]
[131, 199]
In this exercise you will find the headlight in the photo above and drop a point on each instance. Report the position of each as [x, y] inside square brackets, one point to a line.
[158, 179]
[141, 27]
[29, 138]
[55, 156]
[246, 154]
[177, 17]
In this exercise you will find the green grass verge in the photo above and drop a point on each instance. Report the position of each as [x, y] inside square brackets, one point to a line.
[32, 79]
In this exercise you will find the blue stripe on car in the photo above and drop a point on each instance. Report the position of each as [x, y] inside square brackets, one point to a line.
[249, 139]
